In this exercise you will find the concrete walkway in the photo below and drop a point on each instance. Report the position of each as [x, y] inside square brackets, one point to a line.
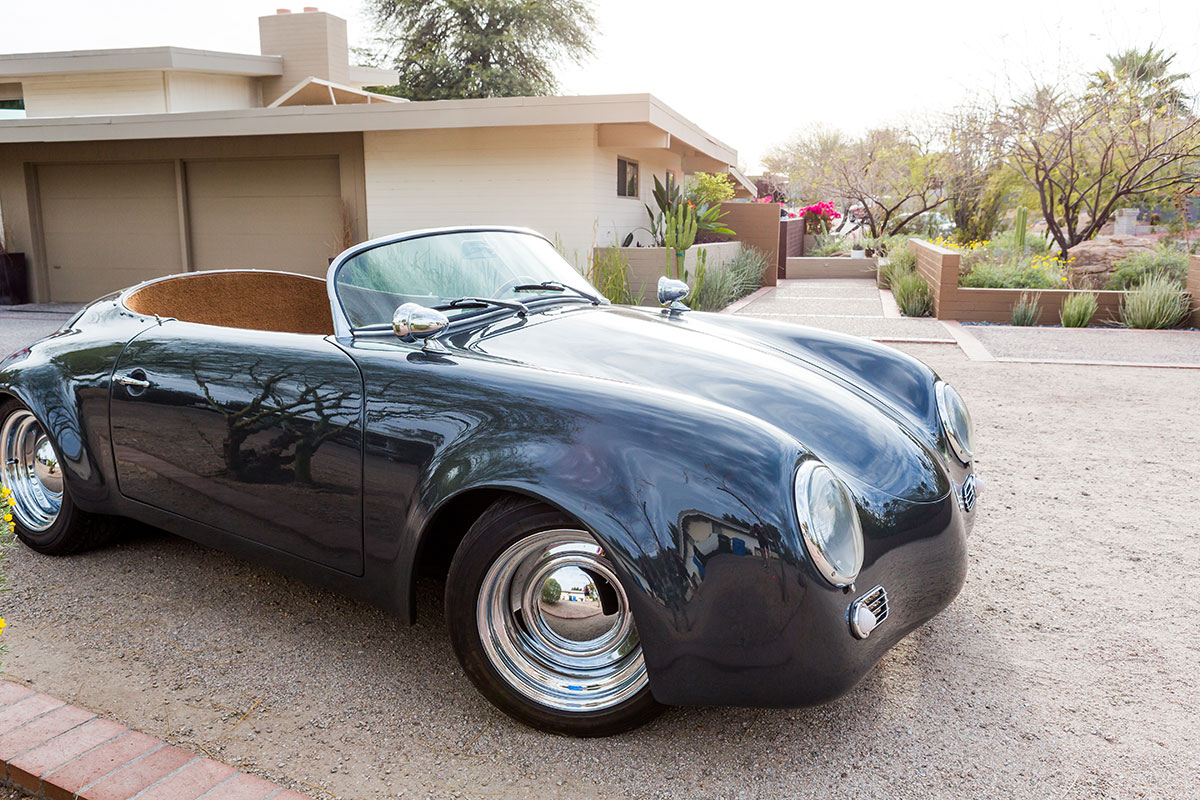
[846, 305]
[857, 307]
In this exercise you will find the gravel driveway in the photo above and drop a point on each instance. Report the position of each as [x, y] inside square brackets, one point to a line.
[1067, 667]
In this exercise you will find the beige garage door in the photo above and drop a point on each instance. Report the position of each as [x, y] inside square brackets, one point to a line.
[283, 214]
[108, 226]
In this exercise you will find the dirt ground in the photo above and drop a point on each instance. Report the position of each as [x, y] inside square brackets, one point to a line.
[1065, 669]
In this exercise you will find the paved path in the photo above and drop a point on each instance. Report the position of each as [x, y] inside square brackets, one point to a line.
[857, 307]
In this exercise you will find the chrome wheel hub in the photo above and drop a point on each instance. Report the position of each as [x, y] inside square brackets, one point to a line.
[555, 622]
[31, 471]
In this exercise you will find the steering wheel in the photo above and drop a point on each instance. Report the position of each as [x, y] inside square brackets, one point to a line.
[509, 285]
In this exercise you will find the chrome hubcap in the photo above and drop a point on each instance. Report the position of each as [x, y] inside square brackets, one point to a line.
[30, 470]
[556, 624]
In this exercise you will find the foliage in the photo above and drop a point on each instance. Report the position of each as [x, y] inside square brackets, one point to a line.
[1145, 75]
[900, 261]
[609, 273]
[912, 295]
[977, 181]
[551, 591]
[707, 188]
[1001, 263]
[708, 217]
[828, 244]
[1158, 302]
[888, 177]
[1025, 311]
[1078, 309]
[447, 49]
[818, 217]
[1165, 260]
[1086, 153]
[718, 288]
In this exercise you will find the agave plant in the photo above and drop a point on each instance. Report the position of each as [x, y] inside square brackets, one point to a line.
[708, 217]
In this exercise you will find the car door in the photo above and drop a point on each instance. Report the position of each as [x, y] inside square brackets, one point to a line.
[256, 433]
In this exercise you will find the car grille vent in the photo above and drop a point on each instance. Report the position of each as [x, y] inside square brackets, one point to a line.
[877, 601]
[966, 495]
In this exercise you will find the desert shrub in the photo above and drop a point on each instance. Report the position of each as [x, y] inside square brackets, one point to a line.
[551, 591]
[714, 289]
[608, 274]
[1165, 260]
[1158, 302]
[1078, 309]
[912, 295]
[827, 245]
[1036, 273]
[901, 261]
[706, 187]
[1025, 311]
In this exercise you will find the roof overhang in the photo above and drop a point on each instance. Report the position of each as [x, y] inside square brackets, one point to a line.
[746, 183]
[644, 112]
[27, 65]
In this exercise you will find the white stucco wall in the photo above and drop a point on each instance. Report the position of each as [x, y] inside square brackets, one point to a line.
[95, 93]
[198, 91]
[554, 179]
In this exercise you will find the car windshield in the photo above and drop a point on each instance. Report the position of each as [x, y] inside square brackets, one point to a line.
[434, 270]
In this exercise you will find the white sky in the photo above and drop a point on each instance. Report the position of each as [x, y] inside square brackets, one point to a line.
[750, 72]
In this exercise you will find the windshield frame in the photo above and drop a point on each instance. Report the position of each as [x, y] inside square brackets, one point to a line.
[341, 321]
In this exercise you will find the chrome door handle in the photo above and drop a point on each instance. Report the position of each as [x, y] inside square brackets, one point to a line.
[132, 382]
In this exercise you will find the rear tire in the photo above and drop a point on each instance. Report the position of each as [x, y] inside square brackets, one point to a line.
[44, 516]
[541, 625]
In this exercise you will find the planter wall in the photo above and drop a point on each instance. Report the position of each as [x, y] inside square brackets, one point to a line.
[831, 268]
[1193, 285]
[14, 279]
[939, 266]
[645, 265]
[757, 225]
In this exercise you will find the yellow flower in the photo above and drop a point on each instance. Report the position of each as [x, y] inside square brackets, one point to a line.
[2, 624]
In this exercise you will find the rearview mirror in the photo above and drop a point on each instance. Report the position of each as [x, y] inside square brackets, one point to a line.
[671, 293]
[413, 323]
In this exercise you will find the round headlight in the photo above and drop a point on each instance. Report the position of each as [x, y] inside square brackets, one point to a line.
[829, 523]
[956, 421]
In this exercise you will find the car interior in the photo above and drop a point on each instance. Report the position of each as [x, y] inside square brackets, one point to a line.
[255, 300]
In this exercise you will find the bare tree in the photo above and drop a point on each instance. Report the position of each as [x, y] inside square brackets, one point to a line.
[1084, 153]
[888, 177]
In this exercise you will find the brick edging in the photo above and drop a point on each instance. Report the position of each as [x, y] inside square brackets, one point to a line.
[58, 751]
[738, 305]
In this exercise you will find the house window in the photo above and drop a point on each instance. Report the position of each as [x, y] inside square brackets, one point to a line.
[627, 178]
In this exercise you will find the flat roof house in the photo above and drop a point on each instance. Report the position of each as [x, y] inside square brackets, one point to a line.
[135, 163]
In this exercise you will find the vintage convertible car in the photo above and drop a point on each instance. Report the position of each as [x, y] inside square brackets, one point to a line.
[630, 507]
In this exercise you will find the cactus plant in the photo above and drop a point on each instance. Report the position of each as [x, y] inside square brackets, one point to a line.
[1021, 228]
[680, 235]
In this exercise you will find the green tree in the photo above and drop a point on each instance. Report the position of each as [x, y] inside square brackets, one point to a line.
[551, 591]
[1144, 75]
[448, 49]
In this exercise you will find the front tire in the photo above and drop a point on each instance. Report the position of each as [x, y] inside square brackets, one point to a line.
[44, 516]
[542, 626]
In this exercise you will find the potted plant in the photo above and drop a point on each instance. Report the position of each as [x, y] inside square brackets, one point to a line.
[858, 249]
[14, 283]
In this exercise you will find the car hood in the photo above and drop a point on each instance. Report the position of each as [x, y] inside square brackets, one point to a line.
[861, 437]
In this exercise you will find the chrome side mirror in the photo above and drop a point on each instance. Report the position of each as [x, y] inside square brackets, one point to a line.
[413, 322]
[671, 293]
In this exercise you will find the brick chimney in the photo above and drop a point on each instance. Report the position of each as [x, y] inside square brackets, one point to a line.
[312, 43]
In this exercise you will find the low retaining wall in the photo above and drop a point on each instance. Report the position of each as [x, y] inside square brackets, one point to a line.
[831, 268]
[939, 266]
[1193, 285]
[645, 265]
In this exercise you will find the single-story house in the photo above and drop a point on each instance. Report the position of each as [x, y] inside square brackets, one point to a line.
[134, 163]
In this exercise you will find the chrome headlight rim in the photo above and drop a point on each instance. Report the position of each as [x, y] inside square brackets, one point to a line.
[959, 441]
[807, 475]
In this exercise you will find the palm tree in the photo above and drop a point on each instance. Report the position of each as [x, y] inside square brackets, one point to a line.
[1146, 76]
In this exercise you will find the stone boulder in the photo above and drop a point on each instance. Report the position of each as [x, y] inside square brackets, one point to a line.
[1096, 260]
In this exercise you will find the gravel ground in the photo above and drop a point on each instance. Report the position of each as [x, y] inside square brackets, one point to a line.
[1178, 347]
[1065, 669]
